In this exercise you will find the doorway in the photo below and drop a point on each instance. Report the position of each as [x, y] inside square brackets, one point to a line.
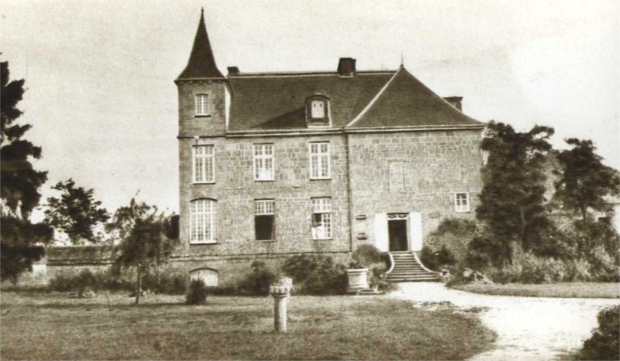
[397, 230]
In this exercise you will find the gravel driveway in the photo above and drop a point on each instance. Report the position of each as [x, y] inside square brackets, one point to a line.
[528, 328]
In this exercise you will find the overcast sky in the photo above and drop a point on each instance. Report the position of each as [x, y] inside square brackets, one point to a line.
[103, 103]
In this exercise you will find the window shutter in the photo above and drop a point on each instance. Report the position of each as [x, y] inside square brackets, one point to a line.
[381, 232]
[416, 231]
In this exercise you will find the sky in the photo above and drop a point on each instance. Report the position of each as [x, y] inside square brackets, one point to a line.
[103, 104]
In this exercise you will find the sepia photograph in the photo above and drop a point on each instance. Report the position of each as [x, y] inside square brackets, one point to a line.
[310, 180]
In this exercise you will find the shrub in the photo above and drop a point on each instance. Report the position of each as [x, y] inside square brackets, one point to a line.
[258, 281]
[71, 282]
[365, 255]
[166, 283]
[455, 234]
[196, 293]
[316, 275]
[603, 345]
[437, 260]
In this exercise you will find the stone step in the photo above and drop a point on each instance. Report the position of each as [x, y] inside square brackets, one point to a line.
[408, 269]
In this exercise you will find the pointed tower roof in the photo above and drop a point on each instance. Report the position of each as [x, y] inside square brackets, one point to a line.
[201, 62]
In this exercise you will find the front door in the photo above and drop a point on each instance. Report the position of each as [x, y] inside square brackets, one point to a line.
[397, 230]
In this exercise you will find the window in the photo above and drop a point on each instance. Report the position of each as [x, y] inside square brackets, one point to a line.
[319, 161]
[203, 164]
[321, 218]
[263, 162]
[264, 219]
[461, 202]
[317, 109]
[202, 221]
[202, 104]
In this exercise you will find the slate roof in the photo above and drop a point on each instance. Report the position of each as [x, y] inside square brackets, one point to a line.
[271, 101]
[201, 62]
[407, 102]
[277, 101]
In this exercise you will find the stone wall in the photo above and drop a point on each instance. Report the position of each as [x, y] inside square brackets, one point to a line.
[434, 165]
[235, 191]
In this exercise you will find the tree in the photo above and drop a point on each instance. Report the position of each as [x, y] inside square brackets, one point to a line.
[584, 180]
[512, 199]
[76, 212]
[19, 185]
[147, 239]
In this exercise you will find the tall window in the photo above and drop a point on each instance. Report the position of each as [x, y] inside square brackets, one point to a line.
[202, 221]
[203, 164]
[321, 218]
[264, 219]
[263, 162]
[319, 161]
[202, 104]
[461, 202]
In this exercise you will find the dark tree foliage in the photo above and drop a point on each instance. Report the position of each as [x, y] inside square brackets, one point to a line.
[584, 180]
[144, 241]
[512, 199]
[20, 181]
[604, 344]
[19, 185]
[20, 240]
[76, 212]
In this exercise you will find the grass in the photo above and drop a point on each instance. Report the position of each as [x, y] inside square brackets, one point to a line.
[564, 290]
[51, 326]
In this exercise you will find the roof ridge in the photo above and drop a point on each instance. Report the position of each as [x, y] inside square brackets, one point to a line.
[308, 73]
[373, 100]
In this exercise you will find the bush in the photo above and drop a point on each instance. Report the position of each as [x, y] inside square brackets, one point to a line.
[66, 282]
[603, 345]
[437, 260]
[258, 281]
[316, 275]
[196, 293]
[365, 255]
[166, 283]
[455, 234]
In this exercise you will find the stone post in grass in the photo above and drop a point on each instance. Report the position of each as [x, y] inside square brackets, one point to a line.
[280, 290]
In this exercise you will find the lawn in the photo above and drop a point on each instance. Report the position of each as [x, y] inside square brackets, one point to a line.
[565, 290]
[52, 326]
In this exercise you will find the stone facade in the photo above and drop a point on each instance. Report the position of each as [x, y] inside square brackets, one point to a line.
[398, 156]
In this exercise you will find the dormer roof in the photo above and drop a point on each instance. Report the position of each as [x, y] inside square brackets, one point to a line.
[201, 64]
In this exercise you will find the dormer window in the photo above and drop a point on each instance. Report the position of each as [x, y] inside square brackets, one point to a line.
[317, 111]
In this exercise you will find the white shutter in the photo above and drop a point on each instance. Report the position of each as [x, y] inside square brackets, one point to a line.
[382, 239]
[415, 219]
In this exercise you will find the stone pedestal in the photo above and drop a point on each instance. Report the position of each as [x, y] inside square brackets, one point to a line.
[280, 290]
[358, 279]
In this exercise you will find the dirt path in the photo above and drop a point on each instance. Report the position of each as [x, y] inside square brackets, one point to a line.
[528, 328]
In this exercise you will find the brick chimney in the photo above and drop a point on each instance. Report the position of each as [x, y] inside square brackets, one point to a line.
[456, 102]
[233, 70]
[346, 67]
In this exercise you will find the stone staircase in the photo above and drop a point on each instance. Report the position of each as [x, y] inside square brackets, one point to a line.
[406, 267]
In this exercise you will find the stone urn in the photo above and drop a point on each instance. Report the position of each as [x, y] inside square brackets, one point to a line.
[358, 279]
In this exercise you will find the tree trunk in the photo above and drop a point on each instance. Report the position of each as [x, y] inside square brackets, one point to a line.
[138, 283]
[584, 213]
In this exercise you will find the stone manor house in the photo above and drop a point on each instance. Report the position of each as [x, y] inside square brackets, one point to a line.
[277, 164]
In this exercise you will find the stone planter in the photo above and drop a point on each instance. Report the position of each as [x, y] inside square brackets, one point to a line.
[358, 279]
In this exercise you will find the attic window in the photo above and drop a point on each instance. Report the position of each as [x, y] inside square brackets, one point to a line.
[317, 110]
